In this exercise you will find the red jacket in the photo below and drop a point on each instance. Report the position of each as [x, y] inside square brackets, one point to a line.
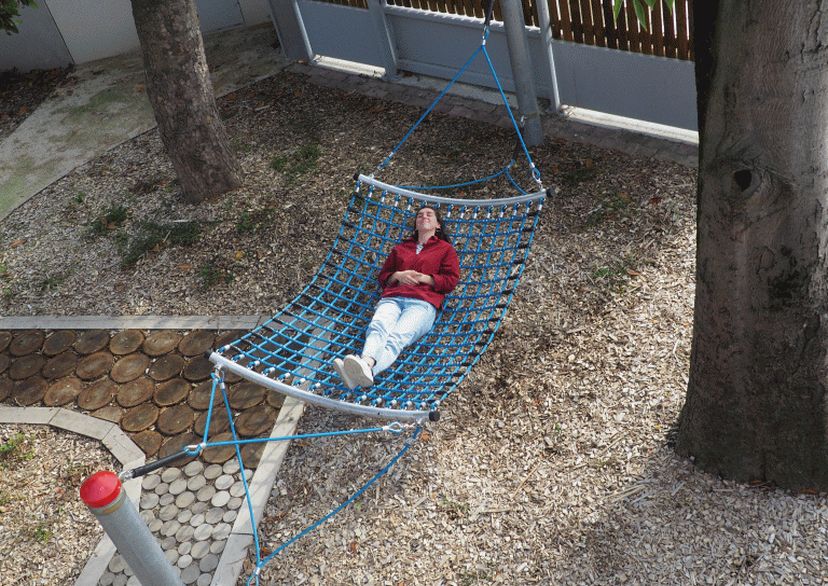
[437, 258]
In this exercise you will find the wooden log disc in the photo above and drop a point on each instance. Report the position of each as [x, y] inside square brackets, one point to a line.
[4, 363]
[227, 337]
[275, 399]
[92, 341]
[6, 386]
[198, 369]
[160, 343]
[199, 397]
[221, 454]
[60, 365]
[58, 342]
[231, 377]
[149, 441]
[176, 419]
[26, 366]
[196, 343]
[126, 342]
[111, 413]
[171, 392]
[135, 392]
[166, 367]
[173, 445]
[252, 454]
[256, 421]
[218, 422]
[63, 391]
[97, 395]
[30, 391]
[5, 340]
[245, 395]
[26, 343]
[129, 367]
[140, 418]
[94, 365]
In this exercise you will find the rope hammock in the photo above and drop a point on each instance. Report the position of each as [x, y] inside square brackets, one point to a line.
[292, 352]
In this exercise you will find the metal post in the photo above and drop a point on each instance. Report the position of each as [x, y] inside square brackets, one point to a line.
[287, 18]
[522, 70]
[104, 495]
[385, 37]
[545, 24]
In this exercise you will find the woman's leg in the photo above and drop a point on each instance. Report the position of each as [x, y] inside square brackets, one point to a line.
[382, 324]
[414, 322]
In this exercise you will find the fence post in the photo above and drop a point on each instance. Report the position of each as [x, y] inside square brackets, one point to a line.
[287, 18]
[545, 24]
[385, 37]
[522, 69]
[103, 494]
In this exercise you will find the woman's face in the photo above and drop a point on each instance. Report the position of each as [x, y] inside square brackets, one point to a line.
[427, 220]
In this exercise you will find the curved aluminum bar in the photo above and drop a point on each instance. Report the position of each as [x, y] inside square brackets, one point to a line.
[427, 198]
[308, 397]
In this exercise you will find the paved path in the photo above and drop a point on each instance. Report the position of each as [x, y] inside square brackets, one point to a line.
[104, 104]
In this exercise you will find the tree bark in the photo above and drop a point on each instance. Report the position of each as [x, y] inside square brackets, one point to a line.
[181, 94]
[756, 399]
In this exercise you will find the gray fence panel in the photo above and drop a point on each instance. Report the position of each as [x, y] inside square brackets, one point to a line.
[341, 32]
[214, 15]
[655, 89]
[38, 45]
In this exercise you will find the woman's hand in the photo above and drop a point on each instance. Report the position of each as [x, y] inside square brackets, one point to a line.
[409, 277]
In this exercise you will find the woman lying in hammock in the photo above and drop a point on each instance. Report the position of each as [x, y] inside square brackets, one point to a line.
[416, 277]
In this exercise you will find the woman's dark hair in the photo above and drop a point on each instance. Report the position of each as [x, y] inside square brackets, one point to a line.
[441, 232]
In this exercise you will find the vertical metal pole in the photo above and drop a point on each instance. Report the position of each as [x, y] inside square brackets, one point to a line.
[287, 18]
[104, 495]
[522, 70]
[385, 36]
[545, 24]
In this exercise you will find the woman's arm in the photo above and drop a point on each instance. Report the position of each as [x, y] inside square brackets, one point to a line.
[446, 279]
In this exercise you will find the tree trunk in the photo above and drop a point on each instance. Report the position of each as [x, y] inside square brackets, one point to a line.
[181, 94]
[756, 399]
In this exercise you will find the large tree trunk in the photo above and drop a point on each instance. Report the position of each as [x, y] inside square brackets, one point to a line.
[756, 400]
[179, 89]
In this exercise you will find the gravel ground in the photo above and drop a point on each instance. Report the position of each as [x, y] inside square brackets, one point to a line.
[46, 533]
[552, 463]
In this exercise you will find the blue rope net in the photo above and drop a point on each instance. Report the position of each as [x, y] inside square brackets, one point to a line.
[293, 351]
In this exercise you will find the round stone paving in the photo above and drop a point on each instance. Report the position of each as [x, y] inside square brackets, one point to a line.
[126, 342]
[5, 339]
[198, 369]
[129, 368]
[139, 418]
[135, 392]
[63, 391]
[29, 391]
[166, 367]
[92, 341]
[170, 474]
[94, 366]
[4, 363]
[213, 471]
[6, 386]
[26, 366]
[208, 563]
[160, 343]
[171, 392]
[246, 395]
[60, 365]
[97, 395]
[176, 419]
[196, 343]
[58, 342]
[25, 343]
[149, 441]
[193, 468]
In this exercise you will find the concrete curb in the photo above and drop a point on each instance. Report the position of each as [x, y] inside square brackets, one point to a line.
[142, 322]
[115, 440]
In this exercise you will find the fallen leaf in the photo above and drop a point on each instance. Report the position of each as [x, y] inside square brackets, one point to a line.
[18, 242]
[185, 266]
[239, 255]
[633, 273]
[353, 547]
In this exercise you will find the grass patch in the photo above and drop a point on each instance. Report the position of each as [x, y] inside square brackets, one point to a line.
[610, 206]
[617, 272]
[152, 237]
[50, 283]
[211, 275]
[297, 163]
[252, 220]
[41, 534]
[111, 218]
[15, 449]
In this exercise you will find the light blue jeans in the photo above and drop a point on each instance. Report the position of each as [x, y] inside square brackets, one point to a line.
[398, 322]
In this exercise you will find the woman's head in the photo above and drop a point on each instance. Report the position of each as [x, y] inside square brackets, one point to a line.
[427, 219]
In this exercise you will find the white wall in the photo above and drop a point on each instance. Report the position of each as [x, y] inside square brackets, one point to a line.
[93, 29]
[38, 45]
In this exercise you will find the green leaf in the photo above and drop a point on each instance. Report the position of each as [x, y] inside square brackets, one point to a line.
[616, 9]
[651, 3]
[640, 14]
[671, 4]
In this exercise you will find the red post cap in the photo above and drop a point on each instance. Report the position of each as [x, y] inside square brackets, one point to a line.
[100, 489]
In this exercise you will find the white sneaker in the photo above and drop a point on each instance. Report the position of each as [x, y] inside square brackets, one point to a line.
[339, 366]
[358, 371]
